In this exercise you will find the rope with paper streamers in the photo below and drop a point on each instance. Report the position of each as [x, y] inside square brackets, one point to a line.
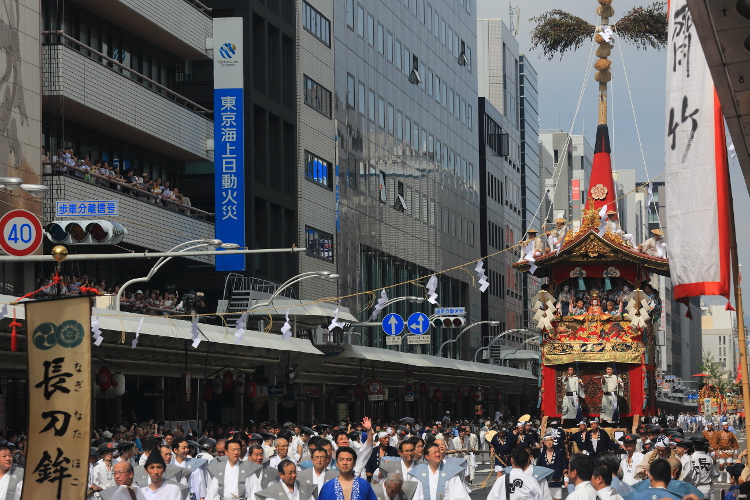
[432, 278]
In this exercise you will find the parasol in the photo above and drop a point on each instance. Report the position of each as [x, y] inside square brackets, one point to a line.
[407, 420]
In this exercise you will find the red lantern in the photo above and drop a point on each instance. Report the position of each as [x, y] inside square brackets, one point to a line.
[459, 394]
[359, 391]
[472, 393]
[251, 390]
[104, 378]
[498, 397]
[228, 380]
[438, 395]
[486, 393]
[422, 388]
[208, 392]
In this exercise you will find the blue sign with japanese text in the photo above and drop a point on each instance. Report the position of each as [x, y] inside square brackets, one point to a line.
[229, 139]
[95, 208]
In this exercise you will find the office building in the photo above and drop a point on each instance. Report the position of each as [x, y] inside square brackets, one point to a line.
[566, 163]
[508, 106]
[406, 112]
[720, 336]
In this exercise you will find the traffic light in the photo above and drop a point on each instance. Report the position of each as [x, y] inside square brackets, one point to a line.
[449, 322]
[85, 232]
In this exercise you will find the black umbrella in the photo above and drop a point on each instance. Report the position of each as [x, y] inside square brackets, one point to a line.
[407, 420]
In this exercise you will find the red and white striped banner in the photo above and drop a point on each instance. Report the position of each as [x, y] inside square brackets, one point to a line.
[697, 178]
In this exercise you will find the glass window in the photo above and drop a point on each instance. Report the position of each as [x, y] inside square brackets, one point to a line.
[422, 73]
[363, 176]
[361, 97]
[407, 59]
[374, 184]
[317, 97]
[316, 23]
[451, 102]
[470, 116]
[371, 30]
[319, 244]
[351, 91]
[318, 170]
[429, 82]
[351, 172]
[423, 142]
[449, 40]
[350, 13]
[445, 94]
[397, 54]
[462, 112]
[360, 21]
[415, 135]
[407, 131]
[390, 118]
[428, 17]
[437, 89]
[456, 45]
[438, 151]
[436, 23]
[382, 191]
[456, 105]
[399, 126]
[381, 112]
[389, 46]
[442, 31]
[371, 105]
[381, 40]
[468, 58]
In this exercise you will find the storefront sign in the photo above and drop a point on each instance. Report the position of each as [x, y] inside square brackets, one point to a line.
[59, 374]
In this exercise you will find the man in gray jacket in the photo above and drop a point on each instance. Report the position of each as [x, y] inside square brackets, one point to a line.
[288, 487]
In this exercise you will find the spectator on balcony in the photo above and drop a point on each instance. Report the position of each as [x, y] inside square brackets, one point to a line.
[69, 157]
[133, 180]
[59, 161]
[158, 191]
[85, 171]
[167, 191]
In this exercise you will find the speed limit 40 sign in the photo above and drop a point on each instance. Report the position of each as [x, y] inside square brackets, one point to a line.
[21, 233]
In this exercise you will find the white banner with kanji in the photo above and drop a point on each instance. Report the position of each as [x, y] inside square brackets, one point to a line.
[697, 218]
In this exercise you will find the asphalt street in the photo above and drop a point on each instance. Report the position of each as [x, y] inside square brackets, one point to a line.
[482, 476]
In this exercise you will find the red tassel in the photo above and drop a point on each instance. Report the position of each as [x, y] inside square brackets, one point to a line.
[729, 307]
[689, 314]
[14, 334]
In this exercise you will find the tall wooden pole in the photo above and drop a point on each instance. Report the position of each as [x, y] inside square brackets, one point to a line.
[602, 65]
[740, 315]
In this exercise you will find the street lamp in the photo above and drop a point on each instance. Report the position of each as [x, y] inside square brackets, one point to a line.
[291, 281]
[491, 323]
[492, 342]
[13, 183]
[410, 298]
[163, 260]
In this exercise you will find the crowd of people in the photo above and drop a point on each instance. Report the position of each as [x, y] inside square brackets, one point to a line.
[149, 302]
[156, 191]
[403, 460]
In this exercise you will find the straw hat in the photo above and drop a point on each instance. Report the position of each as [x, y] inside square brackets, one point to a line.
[532, 231]
[611, 212]
[560, 220]
[658, 232]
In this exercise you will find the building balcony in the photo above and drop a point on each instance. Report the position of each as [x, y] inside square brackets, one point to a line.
[151, 224]
[177, 26]
[100, 93]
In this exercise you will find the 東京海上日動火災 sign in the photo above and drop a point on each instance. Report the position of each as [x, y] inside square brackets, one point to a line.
[229, 139]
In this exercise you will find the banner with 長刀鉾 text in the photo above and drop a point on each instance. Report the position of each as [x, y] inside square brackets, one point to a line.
[697, 178]
[59, 381]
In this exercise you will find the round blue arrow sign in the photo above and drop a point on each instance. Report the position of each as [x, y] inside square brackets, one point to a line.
[418, 323]
[393, 324]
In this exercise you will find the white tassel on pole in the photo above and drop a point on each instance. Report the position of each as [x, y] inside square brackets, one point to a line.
[432, 289]
[483, 283]
[196, 332]
[380, 305]
[97, 332]
[239, 334]
[286, 330]
[137, 333]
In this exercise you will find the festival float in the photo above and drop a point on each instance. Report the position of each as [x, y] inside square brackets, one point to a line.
[597, 310]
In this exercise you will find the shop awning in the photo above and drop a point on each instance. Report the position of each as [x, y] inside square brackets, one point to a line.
[164, 345]
[519, 355]
[423, 361]
[304, 313]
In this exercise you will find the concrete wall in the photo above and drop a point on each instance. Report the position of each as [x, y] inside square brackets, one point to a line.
[149, 226]
[316, 133]
[124, 103]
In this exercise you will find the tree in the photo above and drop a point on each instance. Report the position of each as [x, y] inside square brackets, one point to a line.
[716, 374]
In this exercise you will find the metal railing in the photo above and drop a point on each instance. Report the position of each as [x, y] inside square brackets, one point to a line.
[237, 282]
[188, 210]
[199, 6]
[177, 97]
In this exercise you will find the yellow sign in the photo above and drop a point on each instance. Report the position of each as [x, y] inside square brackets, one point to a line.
[59, 359]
